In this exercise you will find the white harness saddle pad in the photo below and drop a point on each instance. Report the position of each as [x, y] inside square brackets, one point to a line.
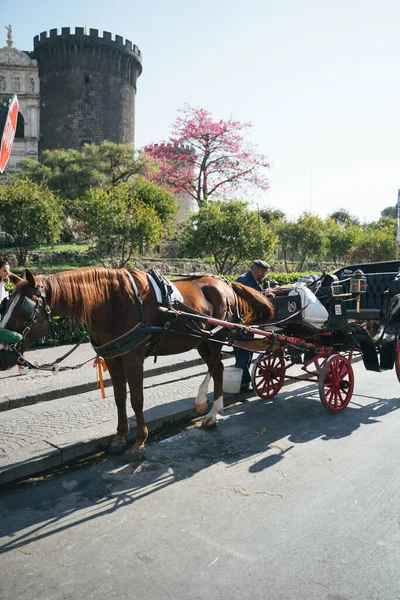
[176, 295]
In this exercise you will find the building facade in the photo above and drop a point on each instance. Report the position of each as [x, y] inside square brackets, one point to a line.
[74, 88]
[19, 75]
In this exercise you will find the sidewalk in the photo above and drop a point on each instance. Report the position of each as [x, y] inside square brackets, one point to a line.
[47, 421]
[39, 386]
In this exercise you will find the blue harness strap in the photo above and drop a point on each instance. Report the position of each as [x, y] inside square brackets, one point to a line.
[133, 339]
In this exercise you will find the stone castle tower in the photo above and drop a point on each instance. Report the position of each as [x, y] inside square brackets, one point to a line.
[87, 88]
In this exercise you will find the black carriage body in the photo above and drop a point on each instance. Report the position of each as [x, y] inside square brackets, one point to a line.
[345, 329]
[380, 303]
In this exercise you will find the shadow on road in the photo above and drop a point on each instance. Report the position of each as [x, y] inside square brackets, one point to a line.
[257, 434]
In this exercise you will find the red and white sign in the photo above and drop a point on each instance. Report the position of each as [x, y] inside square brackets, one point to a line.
[10, 128]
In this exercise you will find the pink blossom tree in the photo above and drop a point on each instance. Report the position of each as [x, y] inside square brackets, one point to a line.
[205, 158]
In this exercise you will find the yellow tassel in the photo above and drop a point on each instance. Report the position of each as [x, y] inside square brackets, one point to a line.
[101, 366]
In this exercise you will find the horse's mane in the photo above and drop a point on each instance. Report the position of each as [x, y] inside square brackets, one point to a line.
[253, 306]
[90, 292]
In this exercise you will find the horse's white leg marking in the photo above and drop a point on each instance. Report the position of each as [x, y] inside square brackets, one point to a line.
[9, 310]
[217, 408]
[201, 400]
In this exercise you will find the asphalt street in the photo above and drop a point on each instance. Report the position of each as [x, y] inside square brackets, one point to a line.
[281, 500]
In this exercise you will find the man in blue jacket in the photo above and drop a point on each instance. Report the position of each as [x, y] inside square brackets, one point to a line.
[252, 278]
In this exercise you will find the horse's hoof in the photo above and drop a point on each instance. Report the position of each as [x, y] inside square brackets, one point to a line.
[135, 455]
[209, 421]
[202, 408]
[116, 447]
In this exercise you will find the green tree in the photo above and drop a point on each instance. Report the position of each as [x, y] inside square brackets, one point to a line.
[71, 173]
[340, 239]
[271, 214]
[227, 231]
[343, 218]
[384, 222]
[375, 244]
[157, 198]
[302, 240]
[389, 211]
[120, 223]
[286, 232]
[29, 215]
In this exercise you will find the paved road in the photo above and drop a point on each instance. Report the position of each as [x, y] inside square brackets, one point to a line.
[281, 500]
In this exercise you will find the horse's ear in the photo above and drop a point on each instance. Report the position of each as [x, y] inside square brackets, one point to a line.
[14, 278]
[30, 278]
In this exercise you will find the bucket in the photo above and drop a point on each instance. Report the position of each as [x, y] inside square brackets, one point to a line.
[232, 380]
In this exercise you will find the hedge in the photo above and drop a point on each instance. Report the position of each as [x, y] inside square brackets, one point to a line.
[63, 330]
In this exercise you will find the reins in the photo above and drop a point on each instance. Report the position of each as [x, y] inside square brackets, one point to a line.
[54, 366]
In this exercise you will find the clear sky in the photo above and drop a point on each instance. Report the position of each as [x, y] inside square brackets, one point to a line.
[318, 79]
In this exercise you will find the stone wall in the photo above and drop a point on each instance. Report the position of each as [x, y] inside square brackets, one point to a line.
[80, 259]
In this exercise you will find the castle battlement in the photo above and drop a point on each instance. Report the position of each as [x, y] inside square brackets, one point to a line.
[87, 87]
[93, 37]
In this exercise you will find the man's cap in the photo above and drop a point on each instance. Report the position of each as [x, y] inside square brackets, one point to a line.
[261, 264]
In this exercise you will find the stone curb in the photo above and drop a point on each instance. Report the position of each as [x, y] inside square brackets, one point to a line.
[8, 403]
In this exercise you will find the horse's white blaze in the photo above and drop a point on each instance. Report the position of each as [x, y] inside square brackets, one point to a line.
[9, 311]
[203, 389]
[217, 408]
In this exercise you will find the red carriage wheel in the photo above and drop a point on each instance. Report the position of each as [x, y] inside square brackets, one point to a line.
[268, 375]
[336, 383]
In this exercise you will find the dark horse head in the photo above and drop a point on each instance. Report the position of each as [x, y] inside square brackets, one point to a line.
[25, 313]
[120, 306]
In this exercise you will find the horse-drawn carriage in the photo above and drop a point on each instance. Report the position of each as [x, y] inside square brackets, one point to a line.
[317, 326]
[362, 309]
[321, 325]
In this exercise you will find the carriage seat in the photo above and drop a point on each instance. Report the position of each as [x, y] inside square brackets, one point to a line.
[373, 301]
[364, 314]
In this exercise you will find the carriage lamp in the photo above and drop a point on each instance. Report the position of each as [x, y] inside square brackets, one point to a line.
[337, 288]
[358, 285]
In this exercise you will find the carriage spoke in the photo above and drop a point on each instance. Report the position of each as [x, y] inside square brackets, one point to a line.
[336, 383]
[268, 375]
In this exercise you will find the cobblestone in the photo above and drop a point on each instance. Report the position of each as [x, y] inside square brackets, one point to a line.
[28, 429]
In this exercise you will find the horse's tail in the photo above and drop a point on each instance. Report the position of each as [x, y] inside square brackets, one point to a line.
[254, 307]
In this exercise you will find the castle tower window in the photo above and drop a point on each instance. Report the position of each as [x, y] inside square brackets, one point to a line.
[87, 108]
[87, 78]
[20, 132]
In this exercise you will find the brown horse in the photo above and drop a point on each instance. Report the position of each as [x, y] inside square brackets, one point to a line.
[112, 302]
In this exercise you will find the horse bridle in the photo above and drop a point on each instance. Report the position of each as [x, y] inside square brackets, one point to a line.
[30, 310]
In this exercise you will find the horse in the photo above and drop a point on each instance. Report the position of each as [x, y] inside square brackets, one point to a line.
[120, 310]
